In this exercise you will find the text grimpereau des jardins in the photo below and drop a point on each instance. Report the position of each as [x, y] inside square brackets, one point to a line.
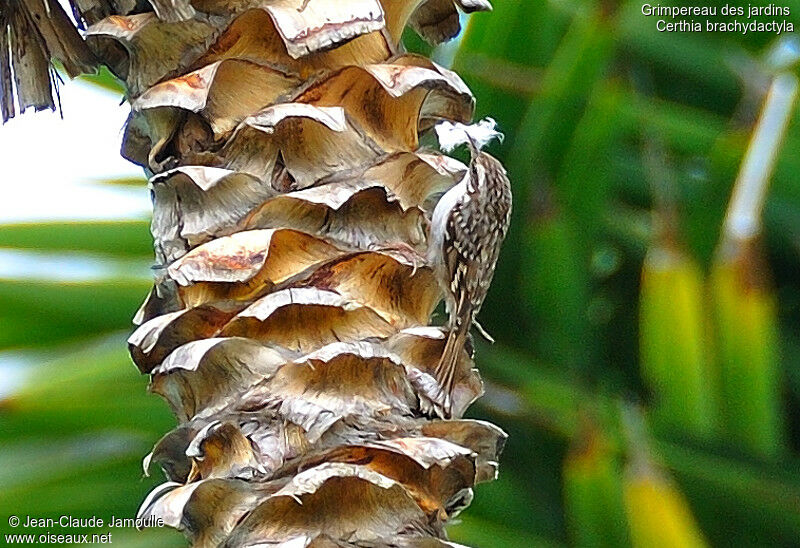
[742, 19]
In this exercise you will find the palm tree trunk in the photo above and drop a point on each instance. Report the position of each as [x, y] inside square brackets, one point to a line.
[288, 325]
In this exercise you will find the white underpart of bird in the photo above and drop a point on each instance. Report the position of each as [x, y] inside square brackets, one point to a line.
[468, 227]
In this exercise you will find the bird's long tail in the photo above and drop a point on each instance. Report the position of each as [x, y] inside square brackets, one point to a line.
[446, 369]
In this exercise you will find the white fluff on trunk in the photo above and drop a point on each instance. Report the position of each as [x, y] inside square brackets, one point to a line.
[453, 134]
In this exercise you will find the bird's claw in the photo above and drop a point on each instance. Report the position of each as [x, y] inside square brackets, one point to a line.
[408, 253]
[483, 332]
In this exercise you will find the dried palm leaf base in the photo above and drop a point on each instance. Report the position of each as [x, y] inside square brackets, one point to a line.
[288, 326]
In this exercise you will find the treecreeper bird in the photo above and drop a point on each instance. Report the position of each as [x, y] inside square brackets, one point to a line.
[468, 226]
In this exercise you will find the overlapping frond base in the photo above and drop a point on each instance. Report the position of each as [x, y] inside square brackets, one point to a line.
[288, 325]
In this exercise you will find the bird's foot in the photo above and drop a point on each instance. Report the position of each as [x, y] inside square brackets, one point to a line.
[483, 332]
[408, 253]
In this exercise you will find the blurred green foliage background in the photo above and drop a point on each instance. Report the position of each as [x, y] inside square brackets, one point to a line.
[649, 408]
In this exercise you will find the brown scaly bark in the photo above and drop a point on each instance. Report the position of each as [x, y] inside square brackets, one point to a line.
[288, 325]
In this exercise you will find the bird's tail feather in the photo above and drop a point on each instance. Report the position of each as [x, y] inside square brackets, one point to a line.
[446, 369]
